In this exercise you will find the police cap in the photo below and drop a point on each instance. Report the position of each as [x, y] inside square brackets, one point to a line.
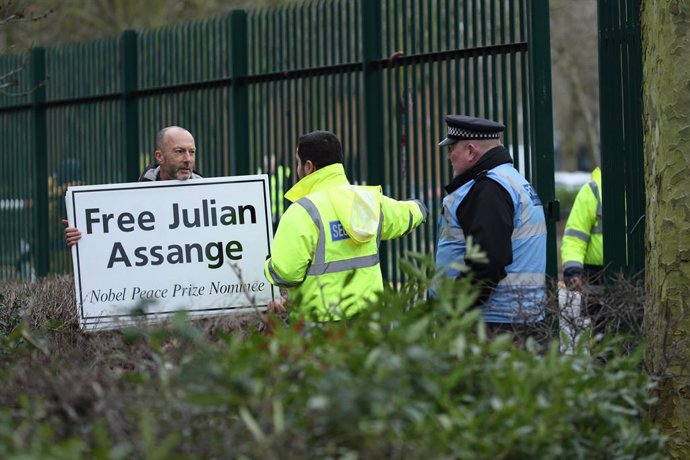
[462, 127]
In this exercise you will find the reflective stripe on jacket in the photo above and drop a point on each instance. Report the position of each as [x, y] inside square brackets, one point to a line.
[325, 250]
[583, 242]
[520, 295]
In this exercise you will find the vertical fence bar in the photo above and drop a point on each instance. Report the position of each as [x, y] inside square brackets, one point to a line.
[494, 66]
[635, 180]
[476, 86]
[371, 11]
[128, 50]
[485, 65]
[526, 89]
[40, 184]
[612, 145]
[541, 123]
[465, 35]
[415, 125]
[505, 95]
[240, 98]
[351, 80]
[513, 127]
[396, 106]
[373, 90]
[425, 88]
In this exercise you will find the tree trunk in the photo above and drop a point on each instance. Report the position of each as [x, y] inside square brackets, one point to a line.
[666, 97]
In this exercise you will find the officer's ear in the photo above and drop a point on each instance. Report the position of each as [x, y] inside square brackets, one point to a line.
[474, 152]
[309, 167]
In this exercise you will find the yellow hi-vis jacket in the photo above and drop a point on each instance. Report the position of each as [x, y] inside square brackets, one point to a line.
[583, 244]
[326, 247]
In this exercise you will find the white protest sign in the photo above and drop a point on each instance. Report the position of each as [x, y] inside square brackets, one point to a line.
[153, 248]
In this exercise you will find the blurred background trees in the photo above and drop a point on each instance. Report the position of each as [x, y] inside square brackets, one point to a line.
[80, 20]
[575, 75]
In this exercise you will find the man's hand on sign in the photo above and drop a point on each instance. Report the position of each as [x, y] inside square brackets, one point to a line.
[72, 234]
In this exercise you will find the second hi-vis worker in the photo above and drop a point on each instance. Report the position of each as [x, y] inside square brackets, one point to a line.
[278, 176]
[582, 250]
[326, 248]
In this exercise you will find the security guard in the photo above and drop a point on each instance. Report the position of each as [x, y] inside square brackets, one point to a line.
[491, 202]
[326, 248]
[582, 249]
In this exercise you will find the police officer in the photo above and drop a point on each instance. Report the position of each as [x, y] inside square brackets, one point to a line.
[489, 201]
[326, 248]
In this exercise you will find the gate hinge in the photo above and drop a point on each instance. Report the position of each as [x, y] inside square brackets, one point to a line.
[553, 210]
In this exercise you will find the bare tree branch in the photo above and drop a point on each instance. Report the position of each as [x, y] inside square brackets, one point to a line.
[7, 80]
[10, 15]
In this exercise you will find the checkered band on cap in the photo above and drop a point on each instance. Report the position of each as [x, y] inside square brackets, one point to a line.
[468, 134]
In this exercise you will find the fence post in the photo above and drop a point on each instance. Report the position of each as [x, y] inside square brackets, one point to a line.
[371, 11]
[128, 51]
[613, 207]
[541, 129]
[373, 91]
[635, 193]
[40, 153]
[239, 157]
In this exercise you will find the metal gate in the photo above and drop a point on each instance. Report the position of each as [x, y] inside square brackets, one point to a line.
[622, 156]
[380, 73]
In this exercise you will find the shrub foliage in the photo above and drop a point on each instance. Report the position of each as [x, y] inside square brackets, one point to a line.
[407, 378]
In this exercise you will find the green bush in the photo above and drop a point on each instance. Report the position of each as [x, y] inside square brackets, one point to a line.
[407, 378]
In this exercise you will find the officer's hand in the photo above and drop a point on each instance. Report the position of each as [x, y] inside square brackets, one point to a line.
[279, 306]
[576, 283]
[72, 234]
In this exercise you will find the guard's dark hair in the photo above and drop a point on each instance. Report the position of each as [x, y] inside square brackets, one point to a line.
[322, 148]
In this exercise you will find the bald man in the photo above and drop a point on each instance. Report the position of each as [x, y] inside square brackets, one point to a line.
[175, 156]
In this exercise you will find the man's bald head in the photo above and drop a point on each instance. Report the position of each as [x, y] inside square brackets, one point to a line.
[175, 153]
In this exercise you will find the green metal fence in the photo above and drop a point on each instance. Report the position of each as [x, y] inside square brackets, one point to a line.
[380, 73]
[622, 157]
